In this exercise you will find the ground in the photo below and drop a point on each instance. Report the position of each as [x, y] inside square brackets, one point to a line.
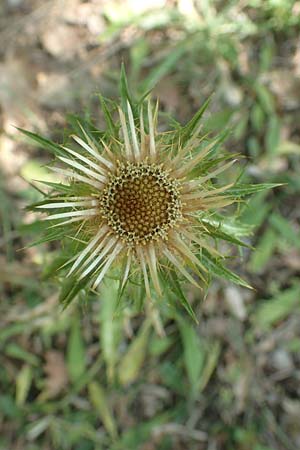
[83, 379]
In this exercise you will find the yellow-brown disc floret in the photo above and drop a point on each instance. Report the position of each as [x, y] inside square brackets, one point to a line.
[141, 203]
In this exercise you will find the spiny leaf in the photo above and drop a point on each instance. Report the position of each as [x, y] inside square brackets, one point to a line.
[108, 117]
[124, 90]
[33, 228]
[175, 285]
[229, 225]
[190, 127]
[55, 265]
[217, 269]
[51, 236]
[205, 167]
[70, 288]
[160, 70]
[43, 142]
[58, 186]
[79, 124]
[241, 190]
[217, 232]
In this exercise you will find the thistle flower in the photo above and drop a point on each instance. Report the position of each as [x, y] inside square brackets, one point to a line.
[139, 200]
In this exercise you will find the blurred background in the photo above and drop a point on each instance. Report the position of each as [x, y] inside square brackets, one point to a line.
[78, 379]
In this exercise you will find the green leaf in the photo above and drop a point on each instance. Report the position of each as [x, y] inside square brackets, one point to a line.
[124, 90]
[175, 286]
[70, 288]
[265, 98]
[121, 287]
[111, 125]
[255, 211]
[230, 225]
[9, 408]
[45, 201]
[23, 383]
[43, 142]
[33, 228]
[54, 235]
[83, 127]
[109, 326]
[172, 376]
[50, 269]
[60, 187]
[257, 117]
[193, 353]
[217, 232]
[187, 131]
[285, 229]
[134, 438]
[266, 56]
[277, 308]
[12, 330]
[206, 166]
[162, 69]
[33, 170]
[293, 345]
[254, 147]
[212, 358]
[75, 351]
[159, 345]
[139, 51]
[132, 361]
[218, 120]
[217, 269]
[241, 190]
[100, 403]
[15, 351]
[264, 251]
[272, 137]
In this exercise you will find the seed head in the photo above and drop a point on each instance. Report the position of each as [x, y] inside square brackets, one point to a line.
[139, 201]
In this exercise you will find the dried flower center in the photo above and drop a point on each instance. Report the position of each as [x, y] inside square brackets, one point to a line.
[141, 202]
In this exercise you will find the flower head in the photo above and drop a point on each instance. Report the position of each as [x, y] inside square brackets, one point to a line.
[138, 200]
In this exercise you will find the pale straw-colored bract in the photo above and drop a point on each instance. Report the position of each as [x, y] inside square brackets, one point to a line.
[136, 204]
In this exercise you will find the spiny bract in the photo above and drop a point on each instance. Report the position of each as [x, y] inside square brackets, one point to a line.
[138, 201]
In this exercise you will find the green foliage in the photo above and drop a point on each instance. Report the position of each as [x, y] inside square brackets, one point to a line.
[99, 401]
[193, 354]
[132, 361]
[15, 351]
[76, 352]
[128, 387]
[278, 307]
[23, 384]
[109, 327]
[264, 251]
